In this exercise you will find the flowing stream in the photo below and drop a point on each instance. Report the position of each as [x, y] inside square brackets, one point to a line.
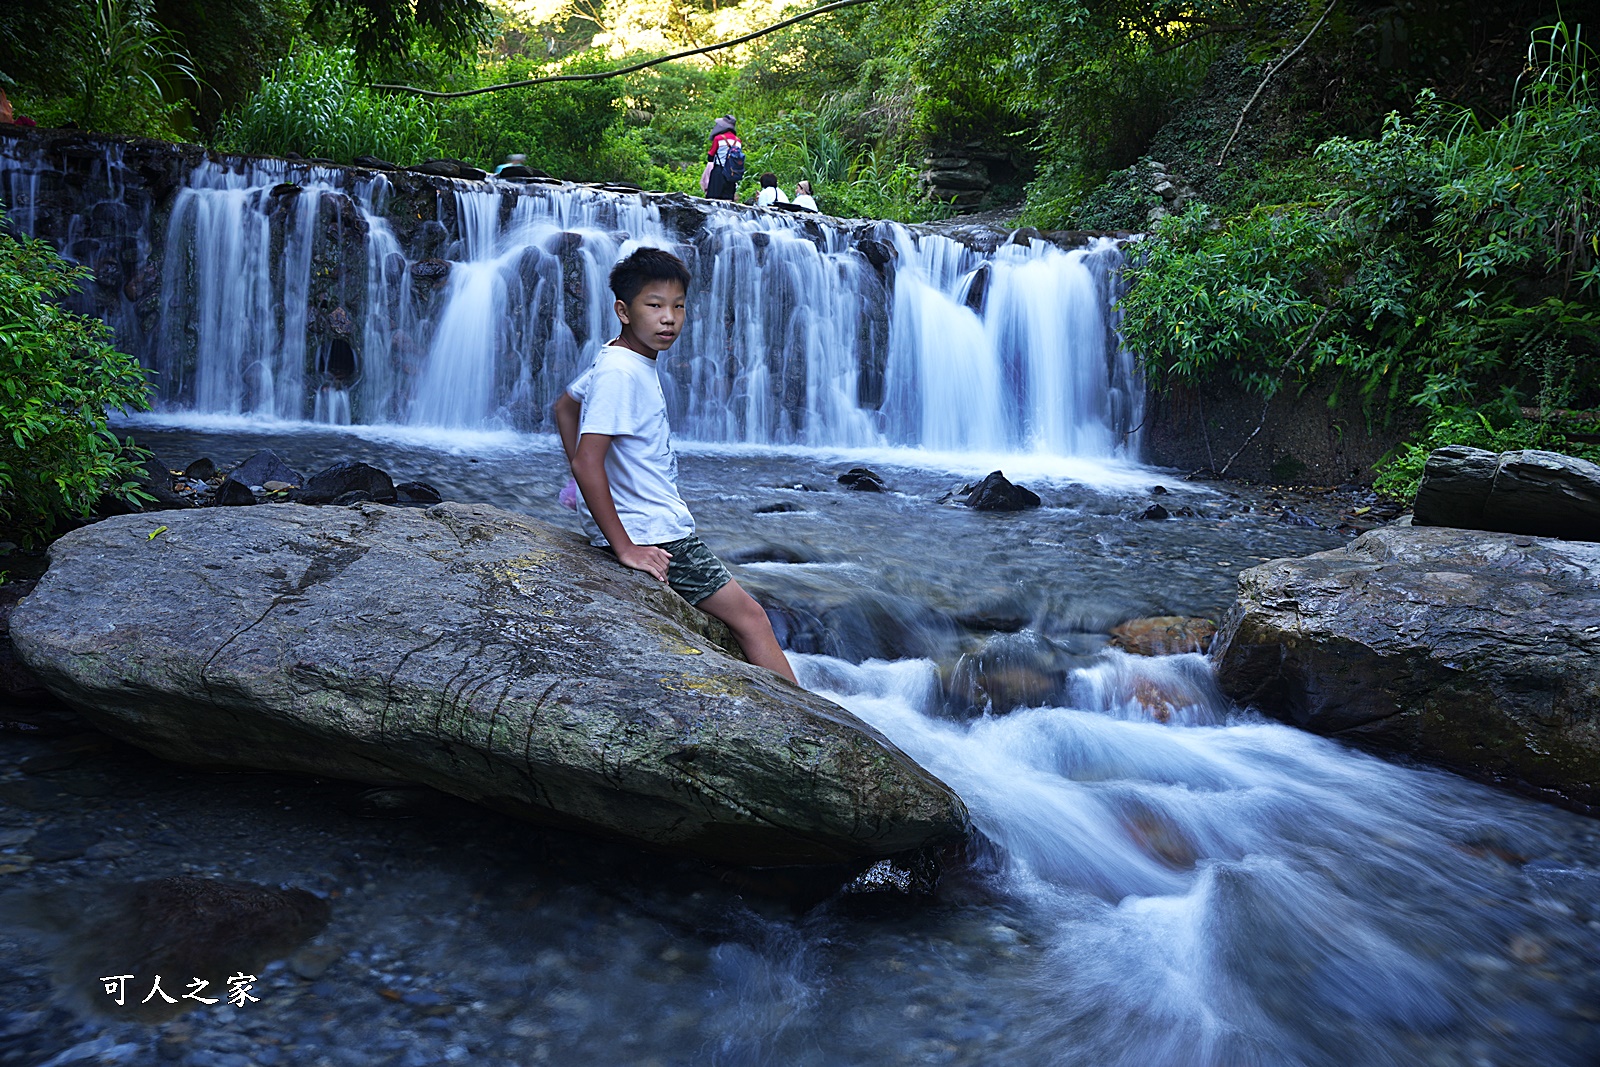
[1160, 878]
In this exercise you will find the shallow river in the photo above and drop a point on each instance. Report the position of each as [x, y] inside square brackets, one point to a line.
[1209, 888]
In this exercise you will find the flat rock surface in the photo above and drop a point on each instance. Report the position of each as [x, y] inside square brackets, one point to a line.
[1478, 650]
[469, 649]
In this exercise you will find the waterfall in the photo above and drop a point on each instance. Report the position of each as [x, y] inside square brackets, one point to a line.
[291, 291]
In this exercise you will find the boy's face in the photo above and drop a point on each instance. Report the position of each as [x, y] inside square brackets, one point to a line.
[655, 317]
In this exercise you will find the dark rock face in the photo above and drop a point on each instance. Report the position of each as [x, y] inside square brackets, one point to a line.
[263, 467]
[1476, 650]
[201, 469]
[996, 493]
[474, 651]
[343, 479]
[1544, 494]
[1156, 513]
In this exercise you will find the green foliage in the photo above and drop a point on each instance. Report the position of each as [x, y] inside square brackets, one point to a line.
[315, 104]
[127, 67]
[385, 32]
[1495, 429]
[573, 130]
[233, 44]
[1442, 260]
[58, 375]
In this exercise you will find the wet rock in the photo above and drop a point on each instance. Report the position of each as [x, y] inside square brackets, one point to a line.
[1163, 635]
[1543, 494]
[1291, 517]
[597, 699]
[416, 493]
[517, 170]
[201, 469]
[155, 481]
[374, 163]
[449, 168]
[1473, 649]
[430, 270]
[182, 925]
[232, 494]
[863, 479]
[996, 493]
[327, 486]
[783, 507]
[770, 553]
[1155, 513]
[1011, 671]
[356, 496]
[263, 467]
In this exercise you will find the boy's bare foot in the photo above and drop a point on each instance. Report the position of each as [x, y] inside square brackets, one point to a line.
[750, 625]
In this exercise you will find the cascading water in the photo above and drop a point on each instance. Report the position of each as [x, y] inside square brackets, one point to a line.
[293, 292]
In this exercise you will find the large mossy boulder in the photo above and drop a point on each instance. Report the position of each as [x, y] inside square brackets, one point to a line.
[1477, 650]
[473, 650]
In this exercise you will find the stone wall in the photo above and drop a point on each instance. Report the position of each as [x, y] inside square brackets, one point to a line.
[1302, 440]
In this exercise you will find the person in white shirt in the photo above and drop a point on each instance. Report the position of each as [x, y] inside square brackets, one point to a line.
[803, 197]
[613, 424]
[770, 193]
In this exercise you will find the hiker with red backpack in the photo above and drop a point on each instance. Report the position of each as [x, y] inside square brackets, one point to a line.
[724, 161]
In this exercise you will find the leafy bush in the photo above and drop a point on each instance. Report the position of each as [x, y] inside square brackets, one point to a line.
[314, 103]
[1445, 259]
[573, 130]
[58, 375]
[1494, 429]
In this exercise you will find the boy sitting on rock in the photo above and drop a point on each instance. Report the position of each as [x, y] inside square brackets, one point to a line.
[613, 423]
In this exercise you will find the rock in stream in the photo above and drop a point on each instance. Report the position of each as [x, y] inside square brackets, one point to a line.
[1474, 649]
[473, 650]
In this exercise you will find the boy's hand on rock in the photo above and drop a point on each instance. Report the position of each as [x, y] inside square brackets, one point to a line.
[648, 558]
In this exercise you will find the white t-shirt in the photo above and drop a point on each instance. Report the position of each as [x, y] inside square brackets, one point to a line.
[621, 397]
[805, 200]
[770, 194]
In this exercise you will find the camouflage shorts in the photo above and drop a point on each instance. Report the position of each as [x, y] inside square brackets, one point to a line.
[695, 572]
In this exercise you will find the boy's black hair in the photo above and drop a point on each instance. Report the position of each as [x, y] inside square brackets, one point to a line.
[644, 266]
[768, 179]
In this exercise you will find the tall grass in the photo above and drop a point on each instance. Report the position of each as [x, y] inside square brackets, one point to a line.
[315, 104]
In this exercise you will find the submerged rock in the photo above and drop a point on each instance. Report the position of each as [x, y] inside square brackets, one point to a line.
[1544, 494]
[179, 927]
[479, 652]
[1163, 635]
[1477, 650]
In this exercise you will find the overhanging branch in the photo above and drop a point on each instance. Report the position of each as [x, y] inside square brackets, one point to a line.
[599, 75]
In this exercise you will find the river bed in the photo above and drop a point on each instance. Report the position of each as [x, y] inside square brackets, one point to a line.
[1185, 886]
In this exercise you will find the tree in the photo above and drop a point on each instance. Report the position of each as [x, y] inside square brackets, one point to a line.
[58, 376]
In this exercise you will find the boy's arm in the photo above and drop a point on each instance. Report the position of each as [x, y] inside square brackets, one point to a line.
[589, 468]
[566, 410]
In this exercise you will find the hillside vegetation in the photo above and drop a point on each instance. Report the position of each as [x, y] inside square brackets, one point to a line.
[1399, 197]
